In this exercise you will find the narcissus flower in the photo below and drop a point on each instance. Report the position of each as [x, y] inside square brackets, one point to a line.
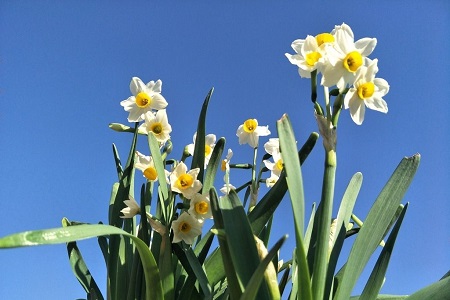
[311, 53]
[200, 207]
[158, 124]
[184, 182]
[273, 148]
[366, 91]
[345, 57]
[145, 98]
[270, 182]
[225, 166]
[131, 210]
[186, 228]
[146, 165]
[210, 141]
[249, 132]
[227, 187]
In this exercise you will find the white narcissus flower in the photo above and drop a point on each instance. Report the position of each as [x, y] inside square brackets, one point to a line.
[345, 57]
[270, 182]
[184, 182]
[227, 187]
[366, 91]
[226, 162]
[146, 165]
[132, 208]
[145, 98]
[249, 132]
[310, 53]
[210, 142]
[200, 207]
[186, 228]
[273, 148]
[158, 124]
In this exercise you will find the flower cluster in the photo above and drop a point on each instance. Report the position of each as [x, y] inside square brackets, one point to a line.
[343, 63]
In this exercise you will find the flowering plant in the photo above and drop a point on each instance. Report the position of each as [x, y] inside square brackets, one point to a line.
[156, 244]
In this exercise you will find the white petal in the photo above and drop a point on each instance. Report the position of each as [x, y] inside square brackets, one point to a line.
[157, 86]
[136, 85]
[158, 102]
[262, 130]
[376, 103]
[365, 46]
[357, 110]
[382, 85]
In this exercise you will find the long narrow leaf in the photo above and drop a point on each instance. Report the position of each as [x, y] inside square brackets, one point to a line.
[291, 164]
[80, 232]
[376, 223]
[376, 278]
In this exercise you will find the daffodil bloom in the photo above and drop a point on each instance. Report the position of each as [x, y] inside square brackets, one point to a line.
[200, 207]
[225, 166]
[184, 182]
[366, 91]
[146, 165]
[345, 57]
[249, 132]
[311, 53]
[186, 228]
[158, 124]
[227, 187]
[131, 210]
[145, 98]
[210, 142]
[270, 182]
[273, 148]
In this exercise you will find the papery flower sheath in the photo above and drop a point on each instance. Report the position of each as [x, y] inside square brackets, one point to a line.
[158, 124]
[367, 91]
[184, 182]
[210, 142]
[345, 57]
[131, 210]
[145, 98]
[249, 132]
[200, 207]
[186, 228]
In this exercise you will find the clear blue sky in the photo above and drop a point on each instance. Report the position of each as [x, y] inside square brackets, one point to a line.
[66, 65]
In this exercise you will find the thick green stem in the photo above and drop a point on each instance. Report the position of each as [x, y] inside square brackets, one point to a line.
[321, 254]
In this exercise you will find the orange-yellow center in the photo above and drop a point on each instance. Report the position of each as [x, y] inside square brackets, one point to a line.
[201, 207]
[143, 100]
[150, 173]
[156, 128]
[366, 90]
[353, 61]
[184, 181]
[279, 164]
[250, 125]
[207, 150]
[324, 38]
[312, 58]
[184, 227]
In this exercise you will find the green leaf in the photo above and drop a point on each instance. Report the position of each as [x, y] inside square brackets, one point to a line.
[80, 268]
[254, 283]
[376, 223]
[213, 165]
[437, 291]
[198, 159]
[241, 241]
[376, 278]
[80, 232]
[291, 165]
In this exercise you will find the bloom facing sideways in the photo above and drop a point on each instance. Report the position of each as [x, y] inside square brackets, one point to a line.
[345, 57]
[146, 165]
[145, 98]
[366, 91]
[158, 124]
[249, 132]
[200, 207]
[131, 210]
[310, 53]
[210, 141]
[184, 182]
[186, 228]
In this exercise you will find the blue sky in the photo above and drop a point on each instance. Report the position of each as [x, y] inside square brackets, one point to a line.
[66, 65]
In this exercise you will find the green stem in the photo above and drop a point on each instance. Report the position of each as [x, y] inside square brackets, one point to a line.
[321, 254]
[337, 107]
[254, 186]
